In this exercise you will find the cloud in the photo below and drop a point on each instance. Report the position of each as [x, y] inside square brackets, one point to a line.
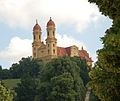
[22, 13]
[16, 49]
[66, 41]
[19, 48]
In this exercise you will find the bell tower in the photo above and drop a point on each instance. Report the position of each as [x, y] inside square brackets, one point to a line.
[51, 41]
[36, 39]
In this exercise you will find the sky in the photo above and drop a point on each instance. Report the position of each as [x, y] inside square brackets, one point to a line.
[77, 23]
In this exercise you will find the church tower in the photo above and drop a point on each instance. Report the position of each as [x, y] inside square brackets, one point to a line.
[36, 39]
[51, 41]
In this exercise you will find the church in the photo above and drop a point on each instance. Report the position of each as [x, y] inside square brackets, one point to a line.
[50, 50]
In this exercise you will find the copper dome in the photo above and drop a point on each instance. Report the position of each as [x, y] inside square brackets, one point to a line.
[37, 26]
[50, 23]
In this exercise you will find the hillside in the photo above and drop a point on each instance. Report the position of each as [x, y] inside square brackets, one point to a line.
[11, 83]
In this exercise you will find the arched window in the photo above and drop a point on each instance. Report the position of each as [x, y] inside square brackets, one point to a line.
[53, 33]
[48, 33]
[53, 45]
[48, 51]
[54, 51]
[34, 37]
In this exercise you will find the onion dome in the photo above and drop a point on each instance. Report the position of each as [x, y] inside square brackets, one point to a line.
[37, 26]
[50, 23]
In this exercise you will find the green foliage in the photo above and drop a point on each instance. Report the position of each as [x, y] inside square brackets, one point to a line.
[93, 97]
[61, 81]
[5, 94]
[26, 66]
[84, 69]
[27, 89]
[109, 8]
[105, 77]
[5, 74]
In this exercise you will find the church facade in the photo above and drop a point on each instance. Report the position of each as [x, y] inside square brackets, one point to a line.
[50, 50]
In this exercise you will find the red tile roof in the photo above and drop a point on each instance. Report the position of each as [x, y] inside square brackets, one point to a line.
[61, 51]
[83, 54]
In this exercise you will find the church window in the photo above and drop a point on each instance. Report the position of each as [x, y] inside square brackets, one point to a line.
[53, 45]
[54, 51]
[39, 36]
[48, 45]
[48, 51]
[34, 54]
[48, 33]
[34, 37]
[53, 33]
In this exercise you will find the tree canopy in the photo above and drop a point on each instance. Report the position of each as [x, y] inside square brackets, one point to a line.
[105, 76]
[58, 80]
[109, 8]
[61, 81]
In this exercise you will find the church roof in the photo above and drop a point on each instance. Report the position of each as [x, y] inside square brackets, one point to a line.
[50, 23]
[61, 51]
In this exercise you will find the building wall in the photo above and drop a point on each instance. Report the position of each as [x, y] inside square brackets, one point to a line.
[74, 51]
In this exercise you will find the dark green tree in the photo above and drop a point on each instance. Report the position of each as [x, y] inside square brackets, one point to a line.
[60, 81]
[26, 66]
[84, 69]
[109, 8]
[27, 89]
[15, 71]
[5, 74]
[106, 74]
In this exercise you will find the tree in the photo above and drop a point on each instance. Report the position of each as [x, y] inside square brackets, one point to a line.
[105, 76]
[26, 65]
[5, 94]
[27, 89]
[109, 8]
[5, 74]
[60, 81]
[84, 69]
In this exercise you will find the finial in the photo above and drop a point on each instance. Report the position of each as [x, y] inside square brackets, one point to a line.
[82, 48]
[36, 21]
[50, 18]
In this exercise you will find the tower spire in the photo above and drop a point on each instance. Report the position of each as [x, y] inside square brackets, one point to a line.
[82, 48]
[36, 21]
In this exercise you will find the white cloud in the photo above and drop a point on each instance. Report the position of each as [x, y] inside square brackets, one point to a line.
[16, 49]
[19, 48]
[66, 41]
[23, 13]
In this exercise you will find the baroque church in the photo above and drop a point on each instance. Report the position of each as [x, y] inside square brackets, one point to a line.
[50, 50]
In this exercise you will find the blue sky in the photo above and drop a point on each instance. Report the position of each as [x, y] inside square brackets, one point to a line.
[77, 22]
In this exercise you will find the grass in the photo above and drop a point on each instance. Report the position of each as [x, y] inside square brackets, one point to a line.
[11, 83]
